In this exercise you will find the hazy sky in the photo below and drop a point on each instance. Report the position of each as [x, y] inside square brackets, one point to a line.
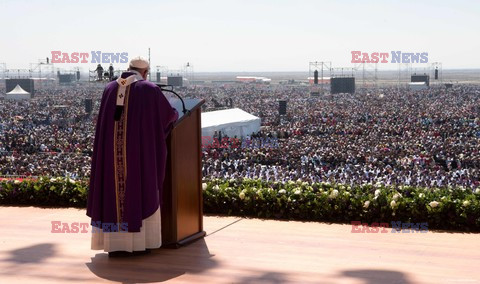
[247, 35]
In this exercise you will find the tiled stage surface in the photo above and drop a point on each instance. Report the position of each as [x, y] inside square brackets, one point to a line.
[236, 250]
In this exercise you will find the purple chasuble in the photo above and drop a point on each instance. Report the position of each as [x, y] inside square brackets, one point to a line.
[129, 155]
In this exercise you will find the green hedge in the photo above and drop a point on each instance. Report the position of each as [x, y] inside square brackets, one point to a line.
[45, 191]
[442, 208]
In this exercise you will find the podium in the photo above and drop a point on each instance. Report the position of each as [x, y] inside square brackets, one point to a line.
[182, 207]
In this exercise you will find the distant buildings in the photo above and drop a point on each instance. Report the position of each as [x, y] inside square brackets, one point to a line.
[252, 79]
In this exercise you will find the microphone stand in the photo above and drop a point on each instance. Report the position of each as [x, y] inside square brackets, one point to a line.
[162, 87]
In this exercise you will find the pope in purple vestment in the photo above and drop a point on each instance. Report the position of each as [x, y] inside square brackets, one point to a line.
[129, 154]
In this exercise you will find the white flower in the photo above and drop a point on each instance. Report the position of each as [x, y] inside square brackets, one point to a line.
[421, 195]
[466, 203]
[71, 181]
[433, 204]
[242, 195]
[204, 186]
[377, 192]
[393, 204]
[346, 193]
[366, 204]
[17, 181]
[477, 191]
[396, 196]
[334, 193]
[443, 198]
[216, 188]
[298, 192]
[53, 179]
[282, 191]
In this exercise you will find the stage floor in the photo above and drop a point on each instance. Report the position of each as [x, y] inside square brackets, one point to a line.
[236, 250]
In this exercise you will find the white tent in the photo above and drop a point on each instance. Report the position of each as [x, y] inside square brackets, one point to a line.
[17, 94]
[415, 86]
[231, 122]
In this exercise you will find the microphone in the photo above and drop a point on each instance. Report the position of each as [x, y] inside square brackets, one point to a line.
[162, 87]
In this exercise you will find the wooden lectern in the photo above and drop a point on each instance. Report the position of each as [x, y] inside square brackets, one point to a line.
[182, 207]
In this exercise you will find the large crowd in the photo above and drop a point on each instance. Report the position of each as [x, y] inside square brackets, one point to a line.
[389, 136]
[51, 134]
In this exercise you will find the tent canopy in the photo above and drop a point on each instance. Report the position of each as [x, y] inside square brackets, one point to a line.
[18, 91]
[414, 86]
[17, 94]
[231, 122]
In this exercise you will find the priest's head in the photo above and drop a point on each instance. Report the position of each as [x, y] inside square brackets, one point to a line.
[140, 65]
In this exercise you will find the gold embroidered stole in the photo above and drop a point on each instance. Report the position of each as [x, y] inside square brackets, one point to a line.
[120, 158]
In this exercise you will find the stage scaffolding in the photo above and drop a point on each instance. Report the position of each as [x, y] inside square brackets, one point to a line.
[324, 69]
[44, 72]
[369, 74]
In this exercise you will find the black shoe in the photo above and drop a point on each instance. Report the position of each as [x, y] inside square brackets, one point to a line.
[126, 253]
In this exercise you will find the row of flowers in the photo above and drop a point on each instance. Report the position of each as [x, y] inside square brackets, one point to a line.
[45, 191]
[442, 208]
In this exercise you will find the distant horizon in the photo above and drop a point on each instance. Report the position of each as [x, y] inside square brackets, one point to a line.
[287, 71]
[65, 67]
[153, 69]
[454, 74]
